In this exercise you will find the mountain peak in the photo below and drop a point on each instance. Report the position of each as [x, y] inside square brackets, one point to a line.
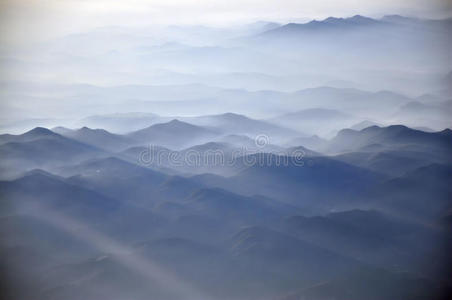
[88, 130]
[173, 134]
[360, 18]
[332, 19]
[371, 128]
[174, 123]
[233, 116]
[85, 129]
[446, 131]
[40, 131]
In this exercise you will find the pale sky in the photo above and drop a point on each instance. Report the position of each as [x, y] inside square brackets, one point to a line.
[42, 19]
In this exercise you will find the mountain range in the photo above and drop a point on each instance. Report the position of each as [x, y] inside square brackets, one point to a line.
[361, 205]
[263, 161]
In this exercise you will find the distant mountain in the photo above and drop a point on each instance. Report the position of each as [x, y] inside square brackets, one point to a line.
[230, 123]
[299, 181]
[249, 145]
[174, 134]
[211, 157]
[262, 26]
[29, 136]
[41, 147]
[391, 136]
[392, 150]
[300, 151]
[154, 157]
[238, 140]
[226, 157]
[353, 101]
[117, 179]
[423, 128]
[176, 189]
[61, 130]
[313, 142]
[314, 113]
[210, 146]
[357, 23]
[107, 167]
[391, 162]
[122, 122]
[364, 124]
[99, 138]
[222, 204]
[420, 114]
[308, 120]
[56, 194]
[328, 24]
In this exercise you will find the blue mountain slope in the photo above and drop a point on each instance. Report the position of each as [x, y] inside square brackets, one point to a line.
[56, 194]
[424, 193]
[311, 183]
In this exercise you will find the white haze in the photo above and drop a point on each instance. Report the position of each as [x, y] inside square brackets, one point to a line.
[62, 62]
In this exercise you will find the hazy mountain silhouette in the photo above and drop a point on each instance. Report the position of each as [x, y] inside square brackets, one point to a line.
[311, 183]
[193, 224]
[115, 178]
[174, 134]
[392, 150]
[230, 123]
[57, 194]
[121, 122]
[308, 120]
[364, 124]
[222, 204]
[99, 138]
[41, 147]
[391, 136]
[313, 142]
[328, 24]
[29, 136]
[419, 114]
